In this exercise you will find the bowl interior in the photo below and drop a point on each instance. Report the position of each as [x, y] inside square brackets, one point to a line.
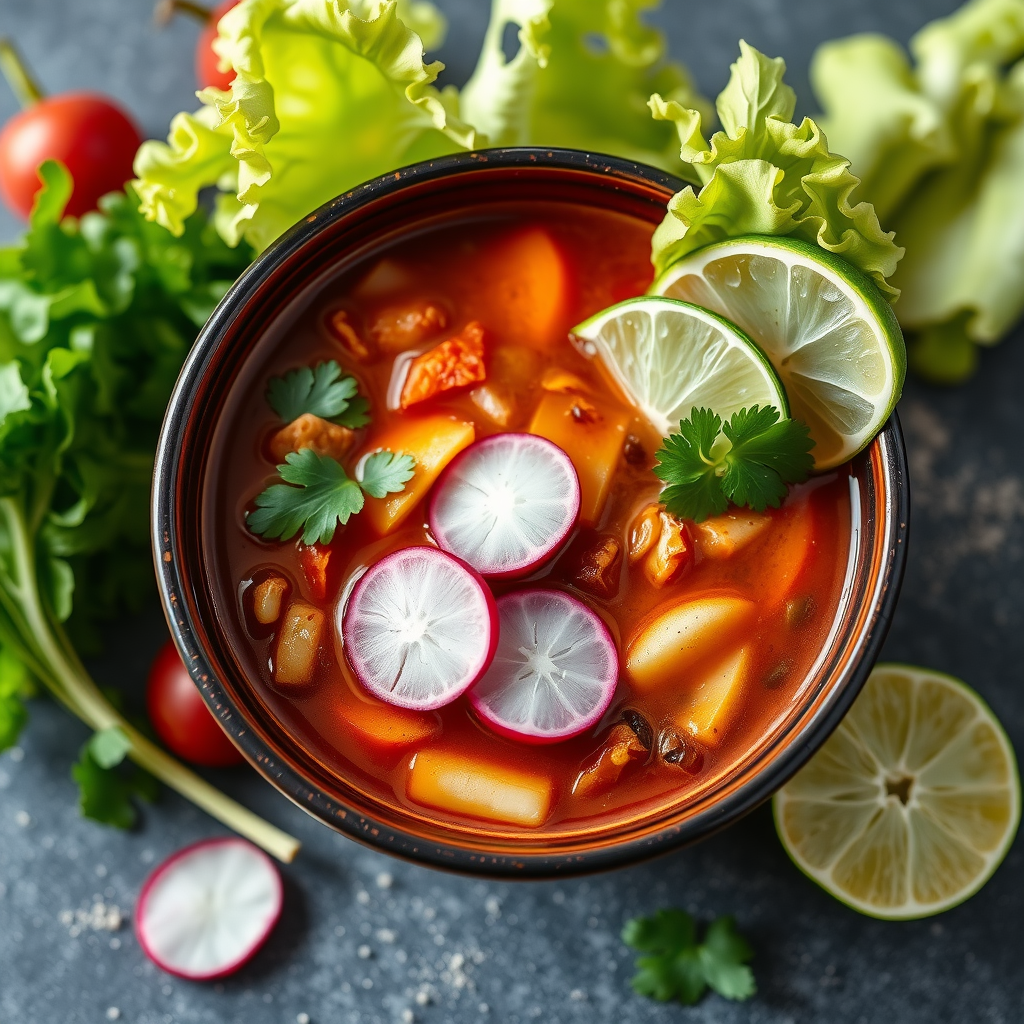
[254, 315]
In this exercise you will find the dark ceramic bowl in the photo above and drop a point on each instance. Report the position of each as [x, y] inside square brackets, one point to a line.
[325, 239]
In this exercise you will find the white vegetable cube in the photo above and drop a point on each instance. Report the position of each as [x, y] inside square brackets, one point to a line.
[460, 784]
[715, 702]
[680, 635]
[298, 644]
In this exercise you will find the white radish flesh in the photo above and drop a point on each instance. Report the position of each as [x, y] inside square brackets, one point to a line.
[506, 504]
[420, 628]
[208, 908]
[555, 670]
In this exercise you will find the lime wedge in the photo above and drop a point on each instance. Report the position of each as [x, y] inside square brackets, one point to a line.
[826, 327]
[670, 356]
[912, 802]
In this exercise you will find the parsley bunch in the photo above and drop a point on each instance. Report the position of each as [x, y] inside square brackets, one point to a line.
[323, 391]
[679, 967]
[96, 317]
[759, 456]
[322, 496]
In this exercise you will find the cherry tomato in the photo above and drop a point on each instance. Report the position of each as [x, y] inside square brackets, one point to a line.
[180, 716]
[207, 71]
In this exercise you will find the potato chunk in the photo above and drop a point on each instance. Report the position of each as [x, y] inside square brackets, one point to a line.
[459, 784]
[681, 634]
[717, 699]
[309, 431]
[591, 434]
[722, 536]
[386, 727]
[433, 441]
[495, 403]
[267, 597]
[455, 363]
[400, 327]
[298, 644]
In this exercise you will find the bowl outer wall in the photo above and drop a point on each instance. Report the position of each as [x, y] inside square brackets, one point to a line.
[482, 851]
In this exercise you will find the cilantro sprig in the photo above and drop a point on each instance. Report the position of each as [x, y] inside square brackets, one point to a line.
[677, 966]
[317, 494]
[759, 456]
[322, 391]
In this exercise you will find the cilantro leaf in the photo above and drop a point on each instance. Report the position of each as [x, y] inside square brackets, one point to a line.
[105, 786]
[322, 391]
[15, 685]
[321, 497]
[386, 473]
[749, 460]
[679, 967]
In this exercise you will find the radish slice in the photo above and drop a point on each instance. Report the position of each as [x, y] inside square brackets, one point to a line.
[207, 909]
[506, 504]
[555, 670]
[420, 628]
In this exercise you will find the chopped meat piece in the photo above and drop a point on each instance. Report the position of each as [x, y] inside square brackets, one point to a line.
[452, 364]
[398, 328]
[267, 598]
[314, 559]
[298, 644]
[583, 411]
[557, 379]
[309, 431]
[495, 403]
[681, 751]
[598, 562]
[671, 554]
[621, 748]
[633, 451]
[644, 531]
[340, 327]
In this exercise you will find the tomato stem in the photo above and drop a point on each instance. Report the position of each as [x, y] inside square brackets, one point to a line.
[13, 68]
[165, 10]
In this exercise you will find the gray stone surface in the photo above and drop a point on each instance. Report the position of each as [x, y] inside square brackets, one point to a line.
[481, 951]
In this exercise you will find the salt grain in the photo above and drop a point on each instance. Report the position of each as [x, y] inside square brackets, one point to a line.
[22, 819]
[384, 880]
[16, 754]
[407, 1016]
[367, 983]
[113, 1013]
[302, 1018]
[364, 952]
[362, 897]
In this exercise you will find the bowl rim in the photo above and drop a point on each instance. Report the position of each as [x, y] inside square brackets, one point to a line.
[379, 834]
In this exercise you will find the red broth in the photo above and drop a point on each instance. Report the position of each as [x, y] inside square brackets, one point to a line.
[526, 281]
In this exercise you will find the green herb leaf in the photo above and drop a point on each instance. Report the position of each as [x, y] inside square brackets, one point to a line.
[324, 392]
[104, 794]
[681, 968]
[759, 457]
[15, 685]
[322, 496]
[108, 747]
[386, 473]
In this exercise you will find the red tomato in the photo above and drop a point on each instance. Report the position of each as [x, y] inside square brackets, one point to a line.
[87, 133]
[207, 71]
[180, 716]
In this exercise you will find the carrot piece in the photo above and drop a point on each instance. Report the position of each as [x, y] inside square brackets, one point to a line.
[385, 726]
[314, 559]
[591, 434]
[530, 288]
[454, 363]
[309, 431]
[433, 441]
[782, 559]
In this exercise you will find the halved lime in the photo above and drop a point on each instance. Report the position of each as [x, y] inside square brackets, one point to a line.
[671, 356]
[912, 802]
[826, 327]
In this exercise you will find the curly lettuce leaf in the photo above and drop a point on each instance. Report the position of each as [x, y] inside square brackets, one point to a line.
[581, 78]
[763, 174]
[325, 97]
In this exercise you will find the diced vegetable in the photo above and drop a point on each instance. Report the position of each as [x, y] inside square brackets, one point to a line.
[621, 748]
[298, 644]
[455, 363]
[717, 699]
[644, 531]
[385, 726]
[681, 634]
[497, 404]
[722, 536]
[340, 327]
[591, 434]
[459, 784]
[596, 560]
[557, 379]
[433, 441]
[530, 285]
[514, 367]
[398, 328]
[267, 598]
[315, 560]
[782, 561]
[672, 553]
[309, 431]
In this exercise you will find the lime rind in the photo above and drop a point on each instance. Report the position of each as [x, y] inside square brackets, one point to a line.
[825, 325]
[911, 909]
[671, 356]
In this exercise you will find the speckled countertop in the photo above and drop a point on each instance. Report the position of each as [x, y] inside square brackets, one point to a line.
[365, 938]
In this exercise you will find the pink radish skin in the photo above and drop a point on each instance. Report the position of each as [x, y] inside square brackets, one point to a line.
[506, 504]
[192, 881]
[420, 628]
[554, 673]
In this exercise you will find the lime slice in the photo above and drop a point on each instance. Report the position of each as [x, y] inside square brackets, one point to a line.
[671, 356]
[912, 802]
[826, 327]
